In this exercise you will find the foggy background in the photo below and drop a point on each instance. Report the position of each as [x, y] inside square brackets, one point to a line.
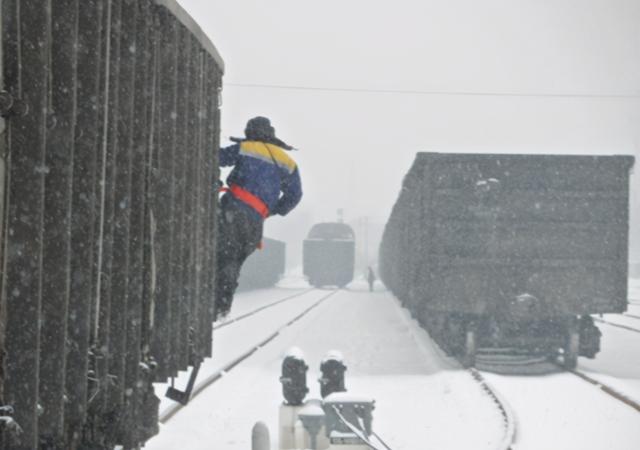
[360, 86]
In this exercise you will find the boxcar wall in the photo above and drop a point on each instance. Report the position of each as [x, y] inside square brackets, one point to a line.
[513, 237]
[110, 149]
[264, 267]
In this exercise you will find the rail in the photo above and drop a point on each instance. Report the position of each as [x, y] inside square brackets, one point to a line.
[606, 389]
[200, 387]
[262, 308]
[617, 325]
[508, 417]
[509, 423]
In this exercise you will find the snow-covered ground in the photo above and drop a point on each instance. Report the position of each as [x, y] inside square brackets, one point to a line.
[231, 341]
[560, 411]
[423, 399]
[634, 290]
[618, 363]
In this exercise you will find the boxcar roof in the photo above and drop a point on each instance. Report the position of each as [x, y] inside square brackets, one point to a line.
[331, 230]
[542, 158]
[189, 22]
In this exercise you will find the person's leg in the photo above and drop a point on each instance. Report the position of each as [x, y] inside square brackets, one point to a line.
[227, 265]
[238, 236]
[248, 234]
[251, 236]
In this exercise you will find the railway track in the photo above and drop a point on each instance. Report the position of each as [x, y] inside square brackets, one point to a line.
[509, 423]
[526, 412]
[508, 418]
[606, 389]
[546, 363]
[617, 325]
[217, 326]
[172, 410]
[508, 364]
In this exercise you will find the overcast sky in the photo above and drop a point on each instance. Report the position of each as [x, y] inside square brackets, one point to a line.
[355, 147]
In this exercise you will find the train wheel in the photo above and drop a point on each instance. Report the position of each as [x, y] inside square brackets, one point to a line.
[452, 339]
[572, 346]
[470, 347]
[589, 337]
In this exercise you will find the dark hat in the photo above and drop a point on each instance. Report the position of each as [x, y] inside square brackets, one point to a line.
[259, 129]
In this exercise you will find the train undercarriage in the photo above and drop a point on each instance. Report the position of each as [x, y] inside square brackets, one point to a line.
[465, 335]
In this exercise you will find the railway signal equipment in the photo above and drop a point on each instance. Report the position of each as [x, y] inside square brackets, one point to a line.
[348, 420]
[313, 419]
[294, 377]
[333, 369]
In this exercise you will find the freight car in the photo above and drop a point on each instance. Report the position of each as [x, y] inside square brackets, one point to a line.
[264, 267]
[329, 254]
[511, 252]
[108, 139]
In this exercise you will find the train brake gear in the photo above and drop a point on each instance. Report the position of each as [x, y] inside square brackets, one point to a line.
[590, 335]
[294, 377]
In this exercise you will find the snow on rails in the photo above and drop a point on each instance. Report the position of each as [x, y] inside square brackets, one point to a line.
[223, 361]
[386, 361]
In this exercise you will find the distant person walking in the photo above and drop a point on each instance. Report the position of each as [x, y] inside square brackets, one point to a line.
[264, 181]
[371, 278]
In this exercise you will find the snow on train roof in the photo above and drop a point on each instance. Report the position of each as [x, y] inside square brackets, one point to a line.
[190, 23]
[331, 230]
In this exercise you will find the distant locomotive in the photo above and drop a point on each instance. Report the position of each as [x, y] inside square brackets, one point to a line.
[511, 252]
[329, 254]
[264, 267]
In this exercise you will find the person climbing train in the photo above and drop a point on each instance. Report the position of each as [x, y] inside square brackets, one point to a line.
[264, 181]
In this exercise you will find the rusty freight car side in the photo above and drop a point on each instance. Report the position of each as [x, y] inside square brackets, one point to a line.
[511, 250]
[109, 136]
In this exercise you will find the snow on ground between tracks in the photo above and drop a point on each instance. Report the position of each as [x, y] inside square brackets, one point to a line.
[422, 399]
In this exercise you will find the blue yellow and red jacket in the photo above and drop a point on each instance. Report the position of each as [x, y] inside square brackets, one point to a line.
[263, 170]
